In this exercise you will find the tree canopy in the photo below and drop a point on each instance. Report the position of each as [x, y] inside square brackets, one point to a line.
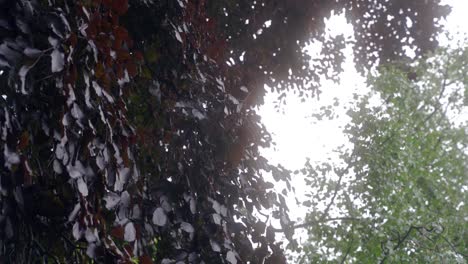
[127, 131]
[399, 195]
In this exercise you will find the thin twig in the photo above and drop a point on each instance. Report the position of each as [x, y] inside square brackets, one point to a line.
[400, 242]
[335, 193]
[453, 247]
[312, 222]
[347, 252]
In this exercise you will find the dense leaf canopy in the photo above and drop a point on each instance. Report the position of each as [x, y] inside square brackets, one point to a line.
[127, 131]
[400, 196]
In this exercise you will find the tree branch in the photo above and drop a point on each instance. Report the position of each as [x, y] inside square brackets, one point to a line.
[400, 242]
[452, 246]
[347, 252]
[335, 193]
[312, 222]
[441, 94]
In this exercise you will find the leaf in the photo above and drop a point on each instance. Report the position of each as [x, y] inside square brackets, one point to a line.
[75, 211]
[91, 250]
[138, 56]
[22, 74]
[178, 37]
[217, 219]
[120, 7]
[159, 217]
[10, 157]
[76, 171]
[77, 233]
[99, 71]
[57, 60]
[32, 53]
[111, 199]
[216, 206]
[131, 68]
[145, 259]
[118, 232]
[130, 232]
[90, 236]
[82, 187]
[106, 3]
[120, 33]
[76, 112]
[215, 246]
[4, 63]
[24, 140]
[187, 227]
[193, 206]
[231, 257]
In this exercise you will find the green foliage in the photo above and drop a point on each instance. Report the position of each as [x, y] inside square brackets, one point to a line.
[400, 196]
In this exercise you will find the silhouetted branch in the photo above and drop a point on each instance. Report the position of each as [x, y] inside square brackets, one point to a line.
[311, 223]
[335, 193]
[347, 252]
[400, 242]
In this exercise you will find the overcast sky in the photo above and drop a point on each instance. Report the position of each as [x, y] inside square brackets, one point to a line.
[298, 136]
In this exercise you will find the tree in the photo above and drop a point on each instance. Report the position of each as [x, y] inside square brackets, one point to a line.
[399, 195]
[127, 137]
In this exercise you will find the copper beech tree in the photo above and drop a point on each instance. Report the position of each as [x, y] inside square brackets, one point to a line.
[126, 126]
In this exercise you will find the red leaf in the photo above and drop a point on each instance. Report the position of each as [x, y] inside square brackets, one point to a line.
[73, 39]
[24, 141]
[106, 26]
[125, 158]
[106, 3]
[138, 56]
[131, 68]
[120, 7]
[109, 61]
[115, 20]
[119, 71]
[129, 43]
[91, 30]
[122, 55]
[118, 232]
[120, 33]
[128, 249]
[145, 259]
[117, 44]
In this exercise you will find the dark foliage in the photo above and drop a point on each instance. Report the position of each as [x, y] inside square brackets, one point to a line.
[126, 135]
